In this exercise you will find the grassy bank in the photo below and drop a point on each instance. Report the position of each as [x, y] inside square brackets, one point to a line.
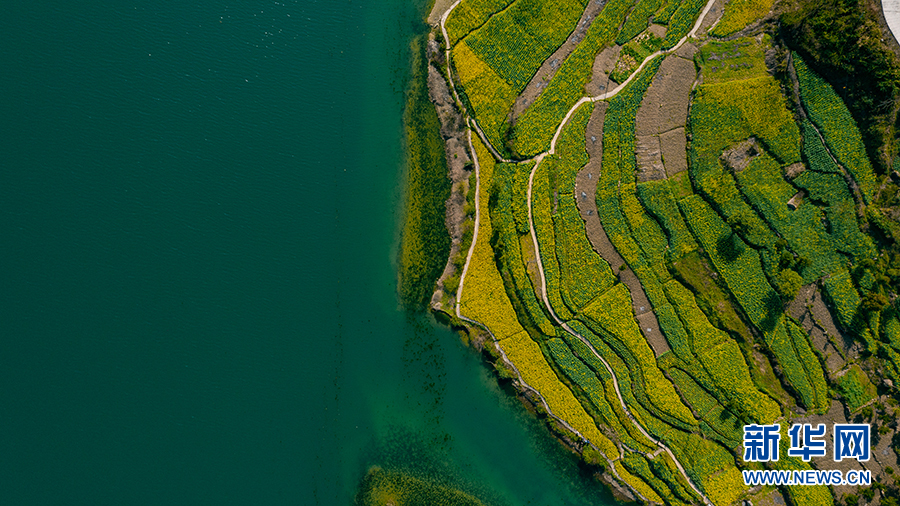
[425, 241]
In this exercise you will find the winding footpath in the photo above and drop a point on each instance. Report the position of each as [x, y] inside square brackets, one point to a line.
[538, 159]
[509, 363]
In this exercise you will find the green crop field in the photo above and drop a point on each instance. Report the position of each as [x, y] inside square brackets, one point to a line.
[516, 41]
[471, 14]
[655, 315]
[682, 21]
[837, 126]
[535, 127]
[638, 19]
[740, 13]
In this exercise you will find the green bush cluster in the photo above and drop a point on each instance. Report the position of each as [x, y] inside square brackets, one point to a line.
[741, 270]
[828, 112]
[639, 465]
[425, 243]
[507, 246]
[632, 391]
[721, 360]
[631, 435]
[724, 425]
[541, 210]
[595, 390]
[826, 185]
[571, 155]
[665, 14]
[738, 264]
[790, 344]
[847, 304]
[612, 312]
[814, 151]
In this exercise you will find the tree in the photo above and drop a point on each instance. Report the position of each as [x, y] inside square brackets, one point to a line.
[789, 283]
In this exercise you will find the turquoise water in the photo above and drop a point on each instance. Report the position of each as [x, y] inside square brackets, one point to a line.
[199, 206]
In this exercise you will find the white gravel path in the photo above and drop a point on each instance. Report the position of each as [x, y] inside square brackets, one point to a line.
[891, 10]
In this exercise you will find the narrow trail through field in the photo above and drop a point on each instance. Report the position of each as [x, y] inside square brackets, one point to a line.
[538, 159]
[505, 358]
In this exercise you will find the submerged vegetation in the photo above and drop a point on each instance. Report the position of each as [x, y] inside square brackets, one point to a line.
[709, 244]
[382, 487]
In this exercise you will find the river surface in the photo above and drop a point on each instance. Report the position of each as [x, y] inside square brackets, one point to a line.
[199, 206]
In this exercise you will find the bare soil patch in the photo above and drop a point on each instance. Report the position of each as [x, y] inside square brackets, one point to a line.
[687, 51]
[649, 158]
[712, 17]
[793, 170]
[586, 189]
[739, 156]
[604, 63]
[660, 120]
[657, 30]
[548, 69]
[650, 329]
[673, 145]
[593, 135]
[438, 10]
[810, 310]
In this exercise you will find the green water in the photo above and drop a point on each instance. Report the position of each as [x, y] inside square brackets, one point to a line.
[199, 204]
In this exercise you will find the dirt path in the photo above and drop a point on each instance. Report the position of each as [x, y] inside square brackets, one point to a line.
[587, 343]
[538, 159]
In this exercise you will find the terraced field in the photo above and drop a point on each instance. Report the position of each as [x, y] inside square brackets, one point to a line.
[730, 181]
